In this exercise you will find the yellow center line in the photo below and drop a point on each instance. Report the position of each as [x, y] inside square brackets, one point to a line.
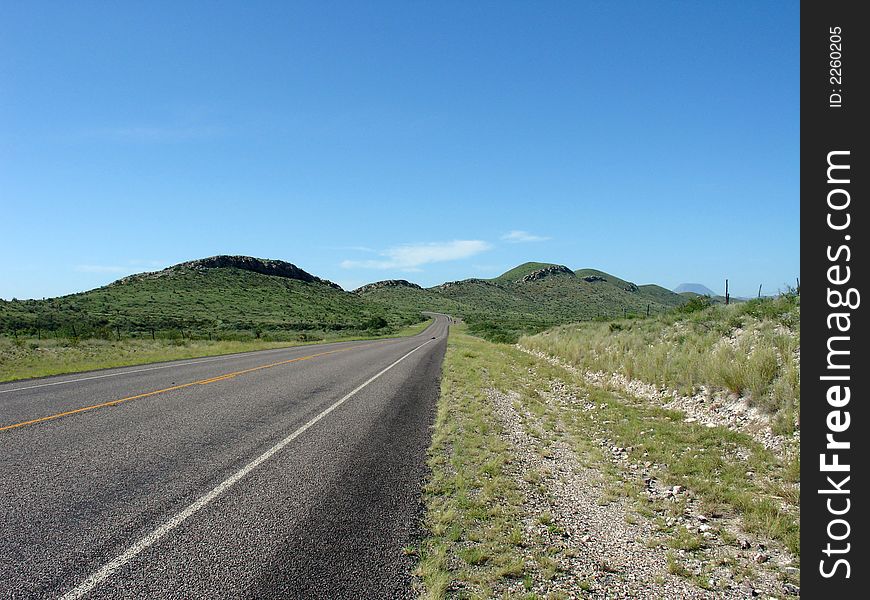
[175, 387]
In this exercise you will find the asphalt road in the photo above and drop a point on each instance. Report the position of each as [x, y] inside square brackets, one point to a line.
[291, 473]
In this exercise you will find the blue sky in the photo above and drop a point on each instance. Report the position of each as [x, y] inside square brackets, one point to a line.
[427, 141]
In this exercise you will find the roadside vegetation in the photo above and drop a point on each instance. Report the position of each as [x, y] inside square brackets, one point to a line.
[751, 349]
[474, 509]
[22, 358]
[533, 467]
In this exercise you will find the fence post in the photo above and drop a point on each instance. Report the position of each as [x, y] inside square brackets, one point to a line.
[727, 296]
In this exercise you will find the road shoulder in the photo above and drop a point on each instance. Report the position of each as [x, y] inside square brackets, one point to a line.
[543, 486]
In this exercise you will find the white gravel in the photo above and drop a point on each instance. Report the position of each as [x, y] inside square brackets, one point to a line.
[603, 549]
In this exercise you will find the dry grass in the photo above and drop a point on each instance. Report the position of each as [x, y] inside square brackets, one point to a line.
[751, 349]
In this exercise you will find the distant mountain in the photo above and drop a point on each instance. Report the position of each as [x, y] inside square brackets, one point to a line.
[697, 288]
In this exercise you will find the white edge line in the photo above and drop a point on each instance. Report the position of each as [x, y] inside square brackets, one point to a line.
[106, 570]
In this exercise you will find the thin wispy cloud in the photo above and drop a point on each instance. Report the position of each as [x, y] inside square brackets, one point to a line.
[410, 257]
[133, 265]
[518, 236]
[100, 269]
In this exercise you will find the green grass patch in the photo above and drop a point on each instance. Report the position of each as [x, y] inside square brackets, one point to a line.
[22, 359]
[473, 507]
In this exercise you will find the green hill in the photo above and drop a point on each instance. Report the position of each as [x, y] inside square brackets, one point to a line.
[521, 271]
[230, 297]
[528, 298]
[222, 296]
[651, 290]
[408, 298]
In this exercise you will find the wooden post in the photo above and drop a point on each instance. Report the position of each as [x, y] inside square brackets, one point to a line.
[647, 310]
[798, 286]
[727, 296]
[759, 290]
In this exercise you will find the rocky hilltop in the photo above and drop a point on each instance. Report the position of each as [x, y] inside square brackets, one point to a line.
[449, 284]
[546, 272]
[387, 283]
[263, 266]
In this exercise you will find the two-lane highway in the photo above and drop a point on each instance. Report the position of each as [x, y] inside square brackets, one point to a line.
[292, 472]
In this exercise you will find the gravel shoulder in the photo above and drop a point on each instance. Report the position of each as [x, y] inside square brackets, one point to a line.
[546, 485]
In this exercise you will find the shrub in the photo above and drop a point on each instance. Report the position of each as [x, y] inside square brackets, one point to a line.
[376, 322]
[695, 304]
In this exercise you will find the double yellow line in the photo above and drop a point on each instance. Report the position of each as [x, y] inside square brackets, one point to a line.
[174, 387]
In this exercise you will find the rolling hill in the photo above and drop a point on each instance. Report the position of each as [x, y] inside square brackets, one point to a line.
[221, 296]
[240, 296]
[529, 297]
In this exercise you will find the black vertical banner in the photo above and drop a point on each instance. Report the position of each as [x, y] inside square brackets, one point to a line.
[835, 420]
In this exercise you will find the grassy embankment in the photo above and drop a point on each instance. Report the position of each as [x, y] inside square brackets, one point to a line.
[22, 358]
[749, 349]
[476, 544]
